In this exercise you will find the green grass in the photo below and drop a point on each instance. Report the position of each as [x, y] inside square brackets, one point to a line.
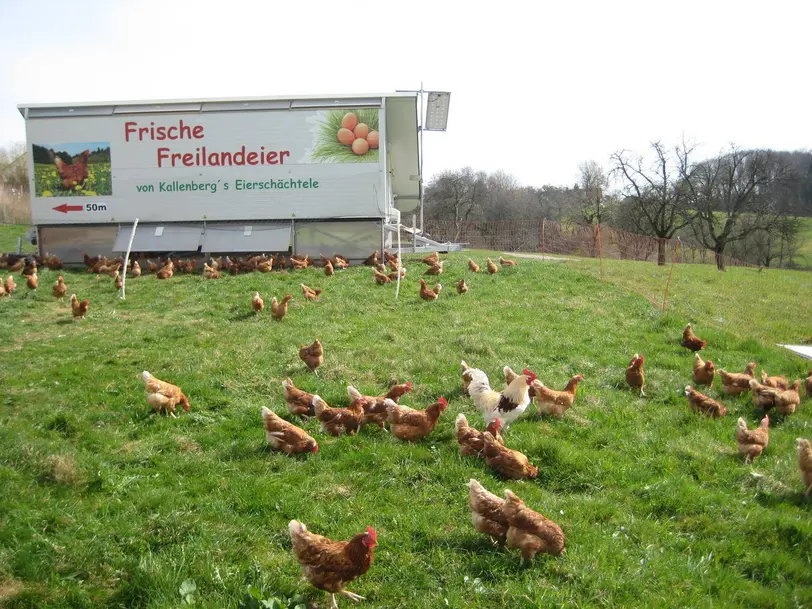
[8, 238]
[804, 257]
[99, 181]
[771, 306]
[104, 505]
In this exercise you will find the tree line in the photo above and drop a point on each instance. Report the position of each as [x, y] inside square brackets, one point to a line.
[742, 203]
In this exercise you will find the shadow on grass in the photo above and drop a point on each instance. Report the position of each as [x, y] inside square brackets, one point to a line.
[793, 498]
[243, 315]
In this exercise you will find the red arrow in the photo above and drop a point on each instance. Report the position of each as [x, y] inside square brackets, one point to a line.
[65, 208]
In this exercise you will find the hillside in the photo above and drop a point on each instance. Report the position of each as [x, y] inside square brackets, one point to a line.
[106, 505]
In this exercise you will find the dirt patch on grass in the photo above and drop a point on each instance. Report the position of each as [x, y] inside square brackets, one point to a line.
[9, 589]
[63, 469]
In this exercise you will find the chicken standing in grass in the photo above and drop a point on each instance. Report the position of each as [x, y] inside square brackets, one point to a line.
[699, 402]
[556, 403]
[492, 268]
[78, 309]
[473, 266]
[752, 442]
[531, 532]
[32, 281]
[299, 402]
[118, 281]
[635, 374]
[410, 425]
[337, 421]
[507, 405]
[507, 462]
[375, 406]
[136, 270]
[59, 289]
[777, 382]
[310, 293]
[280, 309]
[462, 287]
[734, 383]
[381, 278]
[372, 259]
[10, 285]
[784, 401]
[805, 463]
[704, 372]
[487, 512]
[331, 565]
[431, 259]
[163, 396]
[470, 439]
[691, 341]
[428, 294]
[257, 303]
[312, 356]
[435, 269]
[328, 269]
[285, 436]
[506, 262]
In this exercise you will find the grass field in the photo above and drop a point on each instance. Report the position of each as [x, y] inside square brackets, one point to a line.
[105, 505]
[772, 306]
[804, 257]
[8, 238]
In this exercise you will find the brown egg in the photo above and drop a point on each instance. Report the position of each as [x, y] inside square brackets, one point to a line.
[372, 139]
[360, 146]
[361, 130]
[349, 121]
[345, 136]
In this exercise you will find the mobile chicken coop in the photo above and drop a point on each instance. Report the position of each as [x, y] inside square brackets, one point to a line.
[303, 175]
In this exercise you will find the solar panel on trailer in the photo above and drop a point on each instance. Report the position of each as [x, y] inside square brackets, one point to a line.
[437, 110]
[225, 238]
[160, 238]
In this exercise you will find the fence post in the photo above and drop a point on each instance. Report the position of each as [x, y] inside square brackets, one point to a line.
[543, 222]
[670, 272]
[127, 260]
[600, 248]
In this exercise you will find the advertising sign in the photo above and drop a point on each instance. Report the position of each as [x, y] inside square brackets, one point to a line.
[206, 166]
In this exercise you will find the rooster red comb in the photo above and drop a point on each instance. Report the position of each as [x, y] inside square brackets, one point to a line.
[442, 401]
[529, 374]
[373, 536]
[408, 386]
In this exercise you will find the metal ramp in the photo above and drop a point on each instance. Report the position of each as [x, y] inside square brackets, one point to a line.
[412, 241]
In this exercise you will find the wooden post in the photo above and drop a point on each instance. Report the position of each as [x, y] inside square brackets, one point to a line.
[668, 283]
[600, 248]
[543, 222]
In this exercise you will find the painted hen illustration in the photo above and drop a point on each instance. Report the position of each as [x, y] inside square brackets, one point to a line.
[74, 174]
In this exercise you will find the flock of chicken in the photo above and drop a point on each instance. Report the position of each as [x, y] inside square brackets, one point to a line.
[331, 565]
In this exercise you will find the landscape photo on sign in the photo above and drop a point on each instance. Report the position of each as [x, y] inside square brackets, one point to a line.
[74, 169]
[346, 136]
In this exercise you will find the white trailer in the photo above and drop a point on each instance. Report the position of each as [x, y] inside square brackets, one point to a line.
[304, 174]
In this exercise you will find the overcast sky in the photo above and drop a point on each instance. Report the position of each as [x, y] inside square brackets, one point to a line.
[536, 87]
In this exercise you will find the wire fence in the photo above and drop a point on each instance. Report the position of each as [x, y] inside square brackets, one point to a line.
[583, 241]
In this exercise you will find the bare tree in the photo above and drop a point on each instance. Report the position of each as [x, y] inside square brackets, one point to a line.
[456, 196]
[592, 186]
[734, 196]
[656, 197]
[13, 168]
